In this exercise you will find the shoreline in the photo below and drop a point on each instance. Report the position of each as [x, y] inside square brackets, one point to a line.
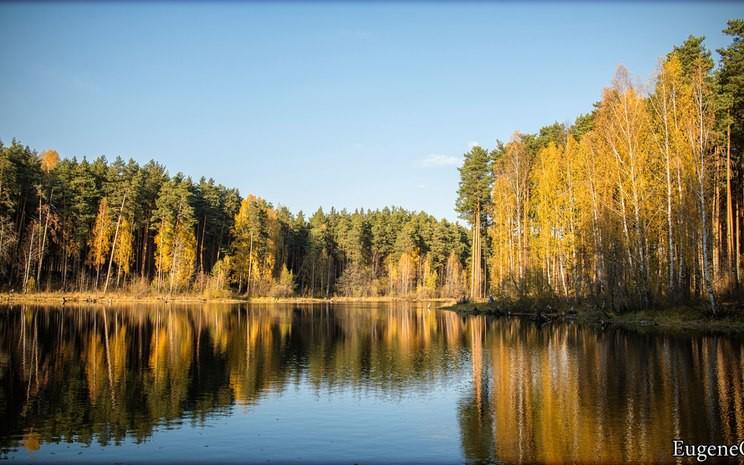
[688, 319]
[115, 298]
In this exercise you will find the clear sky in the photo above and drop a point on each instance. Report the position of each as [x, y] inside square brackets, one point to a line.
[350, 105]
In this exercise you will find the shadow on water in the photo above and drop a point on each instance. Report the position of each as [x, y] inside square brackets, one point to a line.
[513, 391]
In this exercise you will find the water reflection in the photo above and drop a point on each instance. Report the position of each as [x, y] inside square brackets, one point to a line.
[570, 394]
[84, 374]
[519, 392]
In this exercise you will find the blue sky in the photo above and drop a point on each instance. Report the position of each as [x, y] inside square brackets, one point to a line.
[350, 105]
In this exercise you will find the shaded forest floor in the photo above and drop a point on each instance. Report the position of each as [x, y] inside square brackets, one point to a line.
[675, 318]
[116, 297]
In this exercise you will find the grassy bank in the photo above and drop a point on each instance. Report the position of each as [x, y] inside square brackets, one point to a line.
[687, 318]
[682, 318]
[114, 297]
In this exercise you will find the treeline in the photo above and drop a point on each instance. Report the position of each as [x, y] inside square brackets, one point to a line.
[75, 225]
[637, 203]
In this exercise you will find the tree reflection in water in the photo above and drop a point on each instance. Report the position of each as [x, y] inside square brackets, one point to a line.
[564, 393]
[557, 393]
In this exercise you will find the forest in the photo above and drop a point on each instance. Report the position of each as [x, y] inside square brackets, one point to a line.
[636, 204]
[639, 202]
[75, 225]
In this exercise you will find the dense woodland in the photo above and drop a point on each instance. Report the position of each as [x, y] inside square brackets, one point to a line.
[638, 203]
[77, 225]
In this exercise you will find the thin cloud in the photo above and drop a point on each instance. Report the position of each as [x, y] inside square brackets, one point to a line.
[434, 160]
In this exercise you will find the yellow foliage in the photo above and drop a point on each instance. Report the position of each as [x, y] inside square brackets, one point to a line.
[100, 243]
[257, 242]
[32, 441]
[407, 264]
[124, 245]
[175, 255]
[623, 209]
[49, 160]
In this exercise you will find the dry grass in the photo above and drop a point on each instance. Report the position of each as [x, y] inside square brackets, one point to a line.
[146, 295]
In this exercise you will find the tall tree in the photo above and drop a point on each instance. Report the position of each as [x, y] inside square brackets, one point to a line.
[253, 253]
[101, 239]
[175, 243]
[473, 201]
[731, 87]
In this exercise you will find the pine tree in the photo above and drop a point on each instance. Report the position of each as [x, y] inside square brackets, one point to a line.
[473, 200]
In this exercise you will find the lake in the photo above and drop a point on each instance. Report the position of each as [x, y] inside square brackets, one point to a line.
[352, 383]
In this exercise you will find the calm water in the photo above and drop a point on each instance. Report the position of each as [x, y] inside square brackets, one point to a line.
[352, 384]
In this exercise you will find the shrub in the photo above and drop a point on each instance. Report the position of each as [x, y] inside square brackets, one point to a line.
[357, 281]
[285, 286]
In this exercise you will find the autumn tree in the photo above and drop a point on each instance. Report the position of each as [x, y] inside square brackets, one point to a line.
[253, 247]
[175, 243]
[622, 126]
[101, 238]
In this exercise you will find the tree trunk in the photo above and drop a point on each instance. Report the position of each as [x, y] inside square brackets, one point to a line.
[43, 241]
[475, 262]
[145, 244]
[201, 247]
[738, 244]
[706, 268]
[670, 231]
[250, 266]
[729, 208]
[28, 262]
[715, 224]
[113, 245]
